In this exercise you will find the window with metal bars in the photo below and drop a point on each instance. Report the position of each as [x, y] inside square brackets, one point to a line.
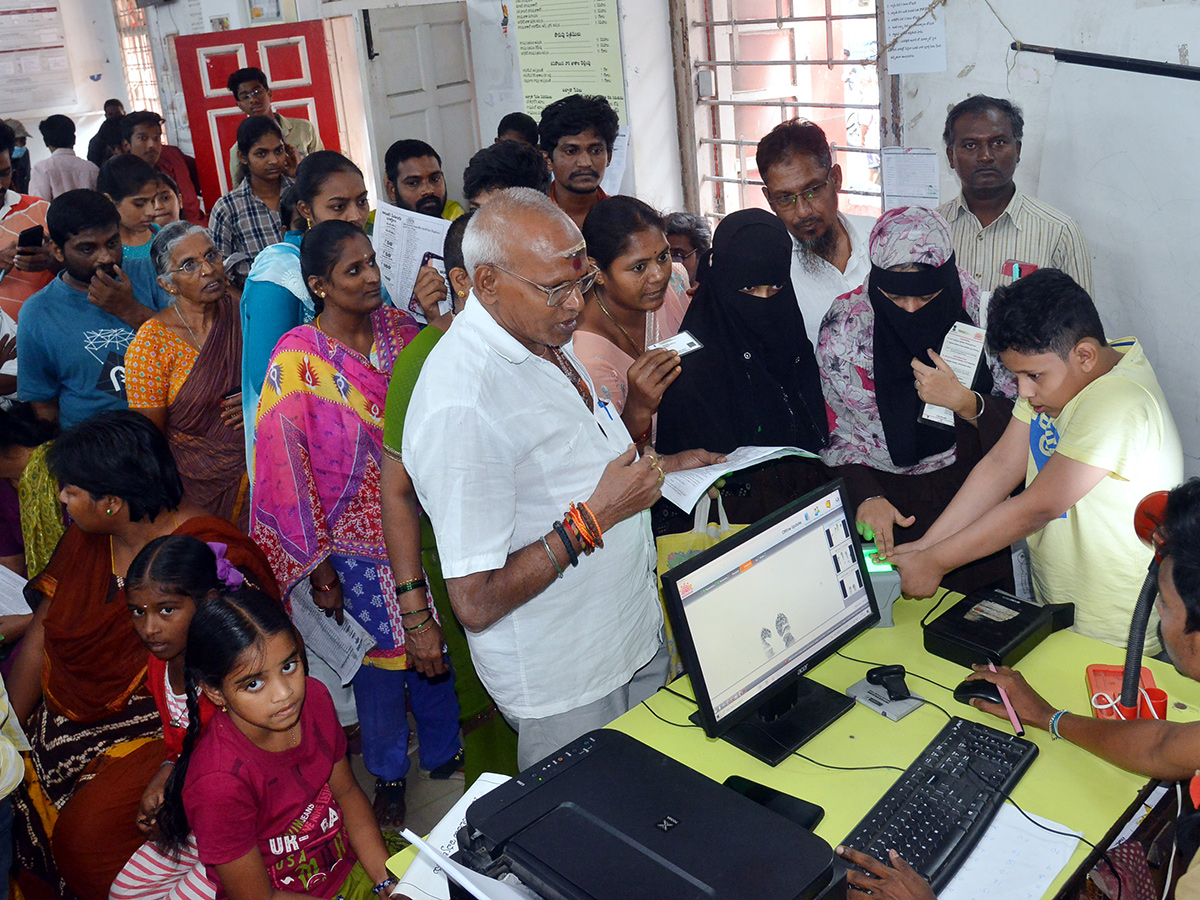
[140, 79]
[756, 63]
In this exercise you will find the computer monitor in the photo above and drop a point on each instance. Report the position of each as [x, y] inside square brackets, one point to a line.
[755, 612]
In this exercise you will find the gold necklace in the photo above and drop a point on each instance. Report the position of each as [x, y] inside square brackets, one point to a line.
[187, 326]
[632, 342]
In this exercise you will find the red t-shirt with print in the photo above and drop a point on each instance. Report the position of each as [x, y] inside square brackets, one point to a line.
[238, 796]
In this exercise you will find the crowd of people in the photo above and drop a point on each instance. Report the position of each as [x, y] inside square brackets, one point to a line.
[220, 416]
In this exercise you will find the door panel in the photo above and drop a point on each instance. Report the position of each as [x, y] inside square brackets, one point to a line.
[420, 84]
[294, 59]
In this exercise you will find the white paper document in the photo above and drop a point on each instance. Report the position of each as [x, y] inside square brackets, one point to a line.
[1014, 860]
[962, 351]
[424, 878]
[479, 886]
[404, 241]
[615, 173]
[342, 646]
[12, 594]
[910, 177]
[923, 46]
[684, 488]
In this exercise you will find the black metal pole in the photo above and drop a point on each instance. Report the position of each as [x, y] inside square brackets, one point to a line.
[1104, 61]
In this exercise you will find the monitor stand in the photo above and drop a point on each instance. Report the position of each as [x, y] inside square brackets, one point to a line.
[797, 714]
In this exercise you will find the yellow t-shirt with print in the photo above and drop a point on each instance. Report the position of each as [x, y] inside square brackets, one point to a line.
[1091, 556]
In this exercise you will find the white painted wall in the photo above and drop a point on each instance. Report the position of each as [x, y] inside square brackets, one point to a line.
[91, 35]
[979, 62]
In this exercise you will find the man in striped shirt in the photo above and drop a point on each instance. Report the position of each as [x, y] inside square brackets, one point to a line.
[993, 223]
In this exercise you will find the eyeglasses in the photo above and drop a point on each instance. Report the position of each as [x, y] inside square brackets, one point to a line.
[252, 95]
[678, 255]
[808, 195]
[192, 266]
[558, 294]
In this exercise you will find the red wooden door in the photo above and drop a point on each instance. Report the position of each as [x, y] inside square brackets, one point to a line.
[291, 56]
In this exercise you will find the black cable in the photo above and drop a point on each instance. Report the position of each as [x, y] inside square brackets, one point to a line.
[867, 662]
[936, 607]
[668, 721]
[844, 768]
[935, 706]
[668, 689]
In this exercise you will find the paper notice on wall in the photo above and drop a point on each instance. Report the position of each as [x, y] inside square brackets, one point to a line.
[33, 57]
[962, 351]
[569, 47]
[615, 172]
[404, 242]
[915, 36]
[910, 177]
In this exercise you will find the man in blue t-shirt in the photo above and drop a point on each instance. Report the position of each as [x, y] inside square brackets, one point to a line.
[74, 331]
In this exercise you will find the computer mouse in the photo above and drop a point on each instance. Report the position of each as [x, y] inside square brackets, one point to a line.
[977, 688]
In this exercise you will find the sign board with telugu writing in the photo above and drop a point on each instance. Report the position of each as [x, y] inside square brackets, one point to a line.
[569, 47]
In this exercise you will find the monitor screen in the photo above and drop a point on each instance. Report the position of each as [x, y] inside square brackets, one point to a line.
[763, 606]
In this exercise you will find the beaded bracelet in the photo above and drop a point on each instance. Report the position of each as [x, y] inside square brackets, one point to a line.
[411, 585]
[562, 534]
[550, 553]
[1054, 723]
[419, 625]
[383, 886]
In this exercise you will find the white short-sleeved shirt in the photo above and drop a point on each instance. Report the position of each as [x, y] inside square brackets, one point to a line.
[816, 290]
[1091, 555]
[8, 328]
[498, 444]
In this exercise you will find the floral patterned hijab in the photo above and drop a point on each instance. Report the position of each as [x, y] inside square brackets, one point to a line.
[902, 237]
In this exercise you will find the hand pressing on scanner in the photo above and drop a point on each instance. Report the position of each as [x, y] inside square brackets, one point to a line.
[899, 881]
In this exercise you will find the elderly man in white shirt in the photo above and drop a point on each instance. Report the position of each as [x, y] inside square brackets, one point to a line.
[829, 252]
[502, 437]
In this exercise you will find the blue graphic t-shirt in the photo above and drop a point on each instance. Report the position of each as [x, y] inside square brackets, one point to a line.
[1043, 439]
[74, 352]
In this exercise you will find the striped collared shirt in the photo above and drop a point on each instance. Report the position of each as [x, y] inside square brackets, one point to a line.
[1028, 231]
[241, 223]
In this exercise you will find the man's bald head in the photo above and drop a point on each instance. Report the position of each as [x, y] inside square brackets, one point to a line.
[519, 248]
[513, 220]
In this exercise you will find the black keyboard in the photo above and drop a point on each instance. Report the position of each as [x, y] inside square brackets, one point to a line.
[940, 807]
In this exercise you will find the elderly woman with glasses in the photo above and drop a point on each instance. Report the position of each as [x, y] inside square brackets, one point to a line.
[183, 371]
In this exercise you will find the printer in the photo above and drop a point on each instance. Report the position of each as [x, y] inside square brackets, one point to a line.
[609, 818]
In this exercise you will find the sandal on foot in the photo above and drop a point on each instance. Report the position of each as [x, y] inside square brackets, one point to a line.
[389, 806]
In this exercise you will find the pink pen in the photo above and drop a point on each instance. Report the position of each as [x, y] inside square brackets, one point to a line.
[1012, 713]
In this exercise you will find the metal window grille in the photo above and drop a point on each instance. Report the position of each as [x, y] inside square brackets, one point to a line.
[134, 36]
[756, 63]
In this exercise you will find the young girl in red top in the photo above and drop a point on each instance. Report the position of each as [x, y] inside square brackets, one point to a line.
[166, 583]
[267, 789]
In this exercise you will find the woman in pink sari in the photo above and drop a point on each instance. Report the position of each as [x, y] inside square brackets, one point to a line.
[183, 371]
[317, 506]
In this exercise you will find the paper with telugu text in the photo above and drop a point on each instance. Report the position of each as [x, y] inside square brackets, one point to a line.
[1014, 860]
[12, 594]
[342, 646]
[424, 879]
[962, 350]
[910, 177]
[402, 239]
[684, 488]
[923, 46]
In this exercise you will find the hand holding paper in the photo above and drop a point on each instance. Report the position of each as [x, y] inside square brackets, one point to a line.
[937, 385]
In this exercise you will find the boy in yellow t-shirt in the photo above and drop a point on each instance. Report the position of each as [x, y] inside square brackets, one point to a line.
[1091, 436]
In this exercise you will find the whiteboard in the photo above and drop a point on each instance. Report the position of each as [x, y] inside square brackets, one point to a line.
[1120, 159]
